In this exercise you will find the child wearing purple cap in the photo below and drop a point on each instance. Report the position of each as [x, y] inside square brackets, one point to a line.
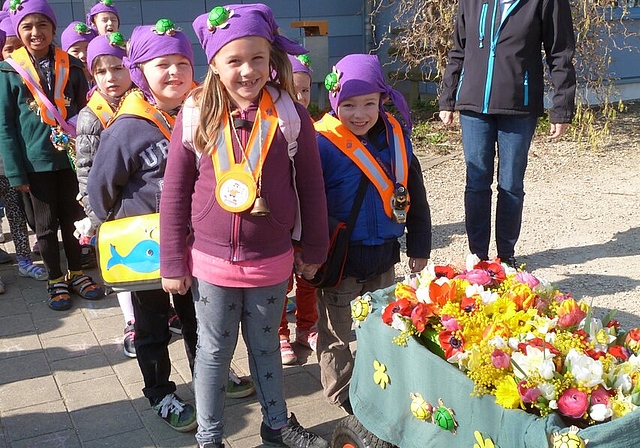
[36, 138]
[12, 41]
[306, 312]
[363, 146]
[132, 158]
[75, 39]
[103, 17]
[228, 141]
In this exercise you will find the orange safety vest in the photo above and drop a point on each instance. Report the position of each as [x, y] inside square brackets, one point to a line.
[61, 76]
[101, 107]
[134, 103]
[347, 142]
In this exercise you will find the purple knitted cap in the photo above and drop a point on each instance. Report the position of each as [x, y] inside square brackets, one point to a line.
[76, 32]
[3, 39]
[101, 6]
[23, 8]
[226, 23]
[301, 64]
[5, 5]
[361, 74]
[109, 45]
[3, 15]
[6, 25]
[148, 42]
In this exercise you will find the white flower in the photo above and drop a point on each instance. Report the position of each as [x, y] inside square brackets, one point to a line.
[623, 383]
[498, 342]
[422, 294]
[600, 412]
[548, 390]
[535, 361]
[553, 404]
[587, 371]
[471, 261]
[472, 290]
[399, 322]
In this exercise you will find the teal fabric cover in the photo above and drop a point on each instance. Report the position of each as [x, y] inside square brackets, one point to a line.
[387, 412]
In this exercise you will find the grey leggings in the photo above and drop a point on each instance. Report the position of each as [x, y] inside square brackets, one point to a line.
[219, 310]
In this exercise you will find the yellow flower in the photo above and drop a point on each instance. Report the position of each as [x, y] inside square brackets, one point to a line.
[502, 309]
[380, 376]
[507, 394]
[482, 442]
[522, 321]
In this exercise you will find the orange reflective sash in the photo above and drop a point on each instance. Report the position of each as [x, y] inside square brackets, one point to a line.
[350, 145]
[101, 107]
[61, 76]
[134, 103]
[257, 148]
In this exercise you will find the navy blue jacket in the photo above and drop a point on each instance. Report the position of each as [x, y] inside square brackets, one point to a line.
[374, 246]
[496, 66]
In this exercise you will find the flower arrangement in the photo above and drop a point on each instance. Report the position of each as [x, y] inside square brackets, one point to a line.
[520, 339]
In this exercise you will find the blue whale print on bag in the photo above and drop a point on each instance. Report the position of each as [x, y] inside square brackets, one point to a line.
[143, 258]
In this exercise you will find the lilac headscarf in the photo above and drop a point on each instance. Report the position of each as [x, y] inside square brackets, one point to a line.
[111, 45]
[76, 32]
[26, 7]
[148, 42]
[256, 19]
[101, 6]
[3, 39]
[301, 64]
[6, 25]
[361, 74]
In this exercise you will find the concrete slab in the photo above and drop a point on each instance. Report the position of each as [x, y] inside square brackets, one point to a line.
[34, 421]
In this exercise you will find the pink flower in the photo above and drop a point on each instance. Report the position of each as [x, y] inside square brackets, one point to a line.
[477, 277]
[527, 278]
[600, 396]
[528, 394]
[573, 403]
[500, 359]
[450, 323]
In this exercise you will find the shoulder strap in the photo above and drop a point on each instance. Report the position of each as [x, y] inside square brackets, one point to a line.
[35, 88]
[357, 204]
[101, 108]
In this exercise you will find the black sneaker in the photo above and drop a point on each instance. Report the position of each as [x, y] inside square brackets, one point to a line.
[88, 256]
[129, 336]
[211, 445]
[175, 326]
[292, 435]
[176, 413]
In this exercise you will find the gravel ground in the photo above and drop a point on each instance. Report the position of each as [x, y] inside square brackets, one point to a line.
[581, 224]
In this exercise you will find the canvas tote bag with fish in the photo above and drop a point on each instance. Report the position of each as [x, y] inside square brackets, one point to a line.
[129, 253]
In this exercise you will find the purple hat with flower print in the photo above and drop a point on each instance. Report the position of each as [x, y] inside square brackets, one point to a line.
[153, 41]
[19, 9]
[224, 24]
[101, 6]
[301, 64]
[6, 25]
[112, 44]
[76, 32]
[361, 74]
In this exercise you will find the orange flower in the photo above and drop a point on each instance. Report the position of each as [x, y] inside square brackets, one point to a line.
[441, 294]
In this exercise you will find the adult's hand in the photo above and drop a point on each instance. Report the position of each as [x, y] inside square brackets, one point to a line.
[24, 188]
[557, 129]
[446, 116]
[417, 264]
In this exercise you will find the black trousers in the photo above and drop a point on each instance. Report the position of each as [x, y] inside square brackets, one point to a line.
[53, 200]
[151, 311]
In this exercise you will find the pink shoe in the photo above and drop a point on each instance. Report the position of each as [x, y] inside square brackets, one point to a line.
[287, 353]
[308, 338]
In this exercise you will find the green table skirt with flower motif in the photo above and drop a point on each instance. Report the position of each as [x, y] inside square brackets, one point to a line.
[413, 369]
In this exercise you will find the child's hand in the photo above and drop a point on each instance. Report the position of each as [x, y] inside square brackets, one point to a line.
[303, 269]
[417, 264]
[176, 285]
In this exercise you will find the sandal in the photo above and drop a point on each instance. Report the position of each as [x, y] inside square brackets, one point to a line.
[59, 297]
[85, 287]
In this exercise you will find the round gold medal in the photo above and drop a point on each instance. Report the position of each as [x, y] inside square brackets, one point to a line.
[236, 190]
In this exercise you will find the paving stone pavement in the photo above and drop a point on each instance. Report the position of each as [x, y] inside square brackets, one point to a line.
[65, 382]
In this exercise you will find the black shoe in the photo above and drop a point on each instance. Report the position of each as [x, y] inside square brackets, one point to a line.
[511, 262]
[128, 344]
[346, 406]
[88, 258]
[211, 445]
[5, 257]
[292, 435]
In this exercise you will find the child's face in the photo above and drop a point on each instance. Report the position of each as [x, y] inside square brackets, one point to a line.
[36, 33]
[106, 22]
[243, 67]
[302, 85]
[79, 50]
[111, 77]
[359, 113]
[12, 44]
[169, 78]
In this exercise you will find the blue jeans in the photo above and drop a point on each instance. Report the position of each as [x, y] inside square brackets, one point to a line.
[220, 311]
[480, 133]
